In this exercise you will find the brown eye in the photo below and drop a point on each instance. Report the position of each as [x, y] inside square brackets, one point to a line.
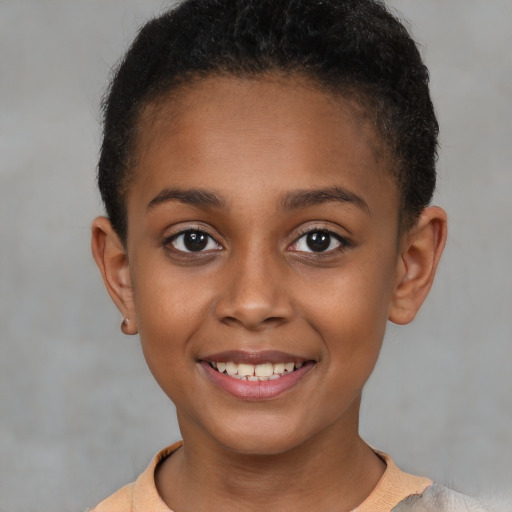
[193, 241]
[318, 241]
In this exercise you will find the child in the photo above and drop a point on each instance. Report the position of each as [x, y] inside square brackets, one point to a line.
[266, 168]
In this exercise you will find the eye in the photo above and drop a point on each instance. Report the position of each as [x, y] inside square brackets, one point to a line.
[318, 241]
[193, 240]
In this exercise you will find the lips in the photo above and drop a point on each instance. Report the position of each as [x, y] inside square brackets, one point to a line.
[256, 375]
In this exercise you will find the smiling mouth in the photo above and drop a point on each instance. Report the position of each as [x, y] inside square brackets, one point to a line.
[255, 372]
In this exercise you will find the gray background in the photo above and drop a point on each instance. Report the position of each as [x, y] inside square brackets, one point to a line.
[79, 412]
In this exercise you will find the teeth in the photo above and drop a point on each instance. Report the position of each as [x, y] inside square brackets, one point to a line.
[263, 370]
[258, 372]
[279, 368]
[231, 368]
[247, 370]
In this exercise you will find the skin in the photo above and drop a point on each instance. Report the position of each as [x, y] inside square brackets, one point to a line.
[257, 145]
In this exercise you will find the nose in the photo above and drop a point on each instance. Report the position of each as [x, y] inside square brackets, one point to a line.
[254, 293]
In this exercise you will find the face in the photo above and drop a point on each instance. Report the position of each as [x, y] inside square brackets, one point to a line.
[262, 250]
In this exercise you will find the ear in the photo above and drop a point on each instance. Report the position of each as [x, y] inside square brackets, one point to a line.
[419, 256]
[110, 256]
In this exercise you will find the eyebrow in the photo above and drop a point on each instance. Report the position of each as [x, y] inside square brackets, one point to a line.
[304, 198]
[195, 196]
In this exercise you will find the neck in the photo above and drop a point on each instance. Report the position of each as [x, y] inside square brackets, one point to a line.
[334, 471]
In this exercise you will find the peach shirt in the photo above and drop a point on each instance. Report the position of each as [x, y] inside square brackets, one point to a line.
[142, 495]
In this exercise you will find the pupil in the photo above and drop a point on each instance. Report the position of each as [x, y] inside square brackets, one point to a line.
[318, 241]
[195, 240]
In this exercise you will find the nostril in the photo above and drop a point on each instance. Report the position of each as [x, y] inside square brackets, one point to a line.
[254, 322]
[274, 320]
[254, 302]
[229, 320]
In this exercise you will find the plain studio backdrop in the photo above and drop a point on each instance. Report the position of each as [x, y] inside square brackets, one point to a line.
[80, 414]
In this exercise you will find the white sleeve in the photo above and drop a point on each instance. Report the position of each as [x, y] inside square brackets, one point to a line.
[437, 498]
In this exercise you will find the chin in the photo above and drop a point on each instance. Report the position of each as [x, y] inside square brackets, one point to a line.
[261, 446]
[265, 440]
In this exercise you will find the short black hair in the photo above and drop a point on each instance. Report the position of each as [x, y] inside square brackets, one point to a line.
[351, 47]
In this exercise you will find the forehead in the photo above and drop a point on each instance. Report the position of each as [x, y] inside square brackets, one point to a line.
[277, 131]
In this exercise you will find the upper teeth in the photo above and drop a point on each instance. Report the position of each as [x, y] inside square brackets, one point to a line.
[264, 371]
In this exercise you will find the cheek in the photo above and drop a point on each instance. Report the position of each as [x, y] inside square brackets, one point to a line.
[170, 308]
[351, 317]
[349, 307]
[166, 295]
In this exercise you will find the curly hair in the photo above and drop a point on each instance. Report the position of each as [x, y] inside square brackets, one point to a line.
[355, 48]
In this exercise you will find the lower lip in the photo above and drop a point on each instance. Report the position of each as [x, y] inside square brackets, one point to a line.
[256, 390]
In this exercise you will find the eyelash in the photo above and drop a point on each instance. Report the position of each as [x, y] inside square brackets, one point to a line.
[343, 243]
[170, 241]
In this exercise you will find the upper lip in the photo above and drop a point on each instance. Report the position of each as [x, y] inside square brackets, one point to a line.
[254, 357]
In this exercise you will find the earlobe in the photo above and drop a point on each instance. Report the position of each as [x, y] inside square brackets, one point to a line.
[417, 265]
[110, 256]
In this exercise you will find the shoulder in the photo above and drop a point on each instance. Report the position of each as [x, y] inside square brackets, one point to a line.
[120, 500]
[437, 498]
[142, 495]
